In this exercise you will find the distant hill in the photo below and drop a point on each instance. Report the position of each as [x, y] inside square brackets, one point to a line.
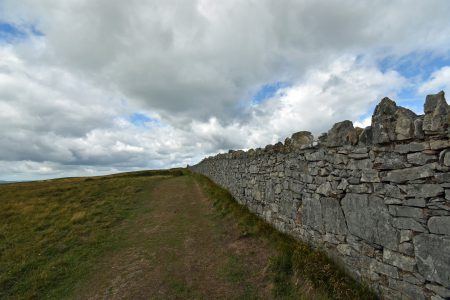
[3, 182]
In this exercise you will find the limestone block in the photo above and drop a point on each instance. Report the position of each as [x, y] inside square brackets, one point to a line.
[404, 127]
[383, 122]
[425, 190]
[407, 290]
[389, 161]
[408, 223]
[406, 211]
[340, 134]
[399, 260]
[379, 267]
[366, 136]
[419, 158]
[369, 219]
[439, 225]
[408, 174]
[440, 290]
[333, 216]
[301, 138]
[436, 114]
[433, 257]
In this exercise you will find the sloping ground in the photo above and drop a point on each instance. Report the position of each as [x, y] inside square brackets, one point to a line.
[150, 235]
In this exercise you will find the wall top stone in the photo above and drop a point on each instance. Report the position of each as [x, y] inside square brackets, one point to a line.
[389, 123]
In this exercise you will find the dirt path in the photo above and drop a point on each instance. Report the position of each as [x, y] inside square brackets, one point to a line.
[181, 249]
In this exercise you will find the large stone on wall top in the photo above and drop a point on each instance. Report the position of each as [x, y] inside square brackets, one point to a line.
[404, 124]
[342, 133]
[383, 121]
[301, 138]
[391, 122]
[436, 114]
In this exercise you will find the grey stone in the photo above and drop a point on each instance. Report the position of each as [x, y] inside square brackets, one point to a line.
[425, 190]
[405, 211]
[383, 122]
[433, 258]
[414, 278]
[418, 128]
[439, 144]
[301, 138]
[333, 216]
[343, 184]
[340, 134]
[363, 188]
[406, 248]
[389, 190]
[418, 202]
[365, 138]
[412, 147]
[399, 260]
[407, 290]
[405, 235]
[389, 161]
[404, 175]
[358, 155]
[344, 249]
[325, 189]
[439, 225]
[440, 290]
[389, 294]
[311, 213]
[382, 268]
[370, 175]
[446, 159]
[442, 177]
[404, 127]
[436, 114]
[408, 223]
[392, 201]
[360, 164]
[419, 158]
[369, 219]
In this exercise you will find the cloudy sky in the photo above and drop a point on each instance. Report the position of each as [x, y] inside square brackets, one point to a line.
[92, 87]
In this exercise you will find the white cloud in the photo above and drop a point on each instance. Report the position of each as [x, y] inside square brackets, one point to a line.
[65, 97]
[439, 80]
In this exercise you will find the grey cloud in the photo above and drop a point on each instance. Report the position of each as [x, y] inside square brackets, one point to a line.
[195, 66]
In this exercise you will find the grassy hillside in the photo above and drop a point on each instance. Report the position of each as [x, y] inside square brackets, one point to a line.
[51, 231]
[152, 234]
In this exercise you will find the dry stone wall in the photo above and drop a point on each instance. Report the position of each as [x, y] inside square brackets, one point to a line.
[376, 199]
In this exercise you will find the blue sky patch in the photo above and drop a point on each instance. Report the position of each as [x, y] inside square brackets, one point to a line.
[10, 33]
[268, 90]
[142, 120]
[417, 66]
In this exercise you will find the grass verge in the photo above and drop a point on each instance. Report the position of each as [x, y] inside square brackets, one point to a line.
[296, 268]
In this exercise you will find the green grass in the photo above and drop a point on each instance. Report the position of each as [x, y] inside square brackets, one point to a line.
[51, 232]
[296, 265]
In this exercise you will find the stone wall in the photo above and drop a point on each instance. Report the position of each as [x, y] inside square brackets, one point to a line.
[376, 199]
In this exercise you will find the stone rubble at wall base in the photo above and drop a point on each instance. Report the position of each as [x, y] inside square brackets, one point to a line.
[376, 199]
